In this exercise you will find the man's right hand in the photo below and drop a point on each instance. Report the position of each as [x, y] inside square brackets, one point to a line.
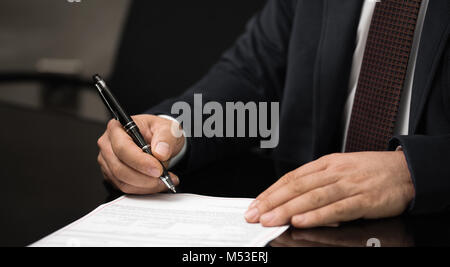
[130, 169]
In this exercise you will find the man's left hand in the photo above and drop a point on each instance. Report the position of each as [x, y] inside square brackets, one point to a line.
[337, 188]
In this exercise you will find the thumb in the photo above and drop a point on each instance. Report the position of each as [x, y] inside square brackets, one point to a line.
[164, 143]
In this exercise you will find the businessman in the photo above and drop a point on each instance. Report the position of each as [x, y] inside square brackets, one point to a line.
[364, 130]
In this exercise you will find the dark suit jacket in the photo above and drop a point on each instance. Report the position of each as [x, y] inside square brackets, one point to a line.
[299, 52]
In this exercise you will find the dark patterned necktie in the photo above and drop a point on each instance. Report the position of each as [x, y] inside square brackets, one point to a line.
[382, 76]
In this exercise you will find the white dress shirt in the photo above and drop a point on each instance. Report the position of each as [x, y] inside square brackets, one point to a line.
[401, 127]
[402, 124]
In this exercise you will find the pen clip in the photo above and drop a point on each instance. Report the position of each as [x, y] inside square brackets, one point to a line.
[106, 102]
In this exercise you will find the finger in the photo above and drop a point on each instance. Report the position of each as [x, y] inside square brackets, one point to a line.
[161, 187]
[164, 144]
[311, 200]
[105, 146]
[133, 190]
[130, 154]
[108, 175]
[157, 187]
[145, 122]
[126, 174]
[130, 189]
[307, 169]
[345, 210]
[296, 187]
[118, 171]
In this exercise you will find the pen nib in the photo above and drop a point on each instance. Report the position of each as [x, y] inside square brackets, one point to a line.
[168, 182]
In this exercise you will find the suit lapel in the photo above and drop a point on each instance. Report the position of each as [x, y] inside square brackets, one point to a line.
[332, 71]
[433, 40]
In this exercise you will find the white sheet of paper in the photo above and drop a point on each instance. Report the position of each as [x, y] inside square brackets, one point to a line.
[165, 220]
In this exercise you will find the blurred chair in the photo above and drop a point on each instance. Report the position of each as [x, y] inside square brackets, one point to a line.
[57, 90]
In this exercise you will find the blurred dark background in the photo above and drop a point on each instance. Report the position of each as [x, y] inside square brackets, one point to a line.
[51, 115]
[166, 47]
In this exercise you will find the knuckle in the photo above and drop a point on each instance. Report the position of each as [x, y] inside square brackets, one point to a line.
[329, 158]
[111, 124]
[265, 205]
[297, 186]
[348, 187]
[119, 148]
[282, 212]
[334, 155]
[116, 170]
[325, 158]
[100, 142]
[288, 178]
[316, 199]
[340, 166]
[340, 189]
[339, 209]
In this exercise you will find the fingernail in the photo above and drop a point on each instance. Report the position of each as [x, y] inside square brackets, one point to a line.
[252, 214]
[154, 172]
[268, 217]
[253, 204]
[162, 149]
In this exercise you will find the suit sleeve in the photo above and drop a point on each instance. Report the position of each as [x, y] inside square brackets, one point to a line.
[428, 160]
[252, 70]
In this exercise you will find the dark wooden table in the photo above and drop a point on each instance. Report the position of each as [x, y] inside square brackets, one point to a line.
[48, 171]
[50, 178]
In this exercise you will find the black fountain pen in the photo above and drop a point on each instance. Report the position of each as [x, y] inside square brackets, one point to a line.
[128, 124]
